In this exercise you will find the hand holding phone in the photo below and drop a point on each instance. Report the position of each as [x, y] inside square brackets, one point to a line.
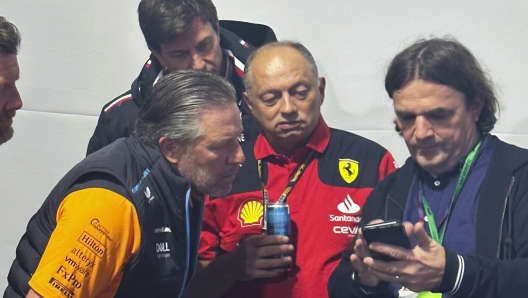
[392, 232]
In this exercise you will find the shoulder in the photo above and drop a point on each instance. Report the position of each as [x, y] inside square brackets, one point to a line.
[508, 156]
[121, 103]
[350, 142]
[350, 160]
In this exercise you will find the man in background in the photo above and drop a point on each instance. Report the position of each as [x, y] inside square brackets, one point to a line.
[10, 100]
[183, 34]
[324, 173]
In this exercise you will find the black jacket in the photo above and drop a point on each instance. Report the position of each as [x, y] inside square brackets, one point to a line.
[500, 266]
[118, 117]
[127, 167]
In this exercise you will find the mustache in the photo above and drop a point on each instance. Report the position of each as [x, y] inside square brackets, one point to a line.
[7, 115]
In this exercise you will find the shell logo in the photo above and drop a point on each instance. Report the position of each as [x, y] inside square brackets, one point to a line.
[250, 213]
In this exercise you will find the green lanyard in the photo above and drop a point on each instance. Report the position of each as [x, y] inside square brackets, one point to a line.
[460, 184]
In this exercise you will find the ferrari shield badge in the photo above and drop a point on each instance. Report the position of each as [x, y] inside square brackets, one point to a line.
[348, 169]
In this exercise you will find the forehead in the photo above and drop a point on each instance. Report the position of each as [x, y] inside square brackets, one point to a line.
[221, 121]
[9, 71]
[197, 31]
[279, 66]
[420, 95]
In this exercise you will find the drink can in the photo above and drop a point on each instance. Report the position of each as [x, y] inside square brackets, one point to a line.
[278, 219]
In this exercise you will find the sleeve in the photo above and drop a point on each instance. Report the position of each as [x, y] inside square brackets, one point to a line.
[386, 166]
[100, 136]
[97, 233]
[477, 276]
[210, 236]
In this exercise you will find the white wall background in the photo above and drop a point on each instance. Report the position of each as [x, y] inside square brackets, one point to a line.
[78, 55]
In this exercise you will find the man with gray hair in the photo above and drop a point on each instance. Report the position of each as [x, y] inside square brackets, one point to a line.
[324, 175]
[10, 100]
[126, 221]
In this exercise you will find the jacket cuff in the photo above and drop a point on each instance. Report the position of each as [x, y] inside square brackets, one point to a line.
[381, 287]
[455, 271]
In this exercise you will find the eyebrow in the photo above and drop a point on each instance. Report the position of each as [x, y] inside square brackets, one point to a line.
[403, 113]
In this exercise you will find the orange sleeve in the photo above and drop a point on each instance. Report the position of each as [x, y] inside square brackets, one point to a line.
[97, 233]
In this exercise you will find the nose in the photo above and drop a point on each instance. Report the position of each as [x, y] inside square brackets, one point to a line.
[422, 128]
[288, 105]
[238, 156]
[197, 61]
[14, 102]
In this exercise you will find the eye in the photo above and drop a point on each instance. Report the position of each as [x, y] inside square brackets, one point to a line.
[205, 45]
[179, 54]
[406, 117]
[439, 115]
[300, 93]
[270, 98]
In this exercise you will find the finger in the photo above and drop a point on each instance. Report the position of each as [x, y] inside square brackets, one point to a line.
[408, 228]
[375, 221]
[357, 263]
[392, 277]
[393, 251]
[268, 273]
[422, 239]
[361, 249]
[263, 240]
[273, 263]
[272, 250]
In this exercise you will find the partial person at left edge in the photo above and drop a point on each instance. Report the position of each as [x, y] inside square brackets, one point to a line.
[183, 34]
[126, 221]
[10, 100]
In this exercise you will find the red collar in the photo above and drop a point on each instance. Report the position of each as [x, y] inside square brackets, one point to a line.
[318, 141]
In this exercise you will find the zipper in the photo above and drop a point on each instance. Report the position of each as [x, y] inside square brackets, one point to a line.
[499, 242]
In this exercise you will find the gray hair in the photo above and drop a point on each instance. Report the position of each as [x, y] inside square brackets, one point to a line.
[286, 43]
[9, 37]
[176, 102]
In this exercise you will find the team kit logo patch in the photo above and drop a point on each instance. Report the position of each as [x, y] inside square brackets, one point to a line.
[348, 169]
[250, 213]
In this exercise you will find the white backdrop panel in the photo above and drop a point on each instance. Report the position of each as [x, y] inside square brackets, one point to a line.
[77, 55]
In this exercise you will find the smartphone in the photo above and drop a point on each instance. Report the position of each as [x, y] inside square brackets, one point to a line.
[391, 232]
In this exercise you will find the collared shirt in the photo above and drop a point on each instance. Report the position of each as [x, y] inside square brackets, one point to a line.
[325, 207]
[460, 235]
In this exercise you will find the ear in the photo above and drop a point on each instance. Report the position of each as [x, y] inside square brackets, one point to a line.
[158, 56]
[217, 29]
[248, 102]
[476, 109]
[322, 86]
[171, 150]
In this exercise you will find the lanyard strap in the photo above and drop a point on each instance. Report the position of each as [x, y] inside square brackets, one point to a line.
[439, 237]
[291, 183]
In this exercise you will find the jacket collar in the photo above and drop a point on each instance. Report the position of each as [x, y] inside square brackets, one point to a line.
[318, 141]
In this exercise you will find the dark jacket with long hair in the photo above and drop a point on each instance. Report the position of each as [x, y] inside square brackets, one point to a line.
[501, 259]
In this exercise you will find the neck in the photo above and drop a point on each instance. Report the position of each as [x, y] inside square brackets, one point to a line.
[471, 142]
[284, 147]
